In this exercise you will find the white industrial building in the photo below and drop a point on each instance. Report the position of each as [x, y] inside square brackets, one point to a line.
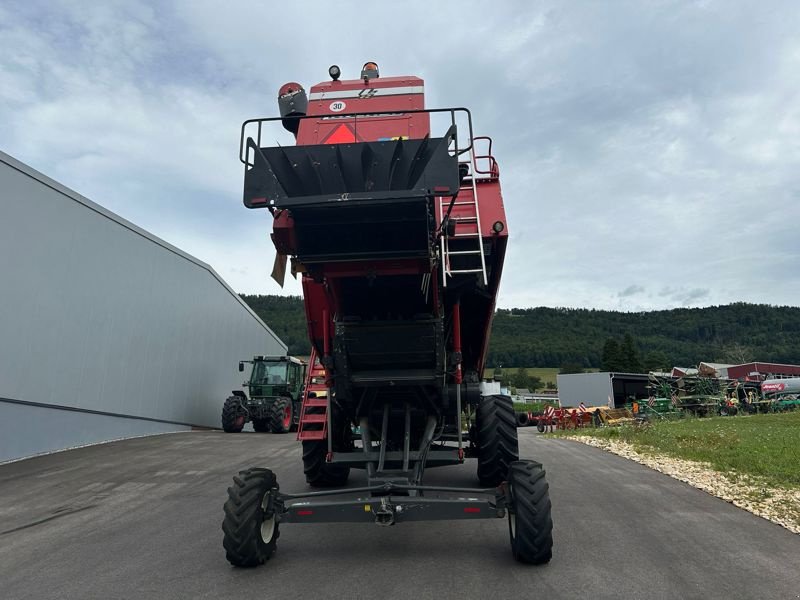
[106, 331]
[601, 389]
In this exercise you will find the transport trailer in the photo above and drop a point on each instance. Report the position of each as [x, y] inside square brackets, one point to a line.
[392, 214]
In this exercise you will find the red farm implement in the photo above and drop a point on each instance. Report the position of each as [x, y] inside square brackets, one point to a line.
[399, 236]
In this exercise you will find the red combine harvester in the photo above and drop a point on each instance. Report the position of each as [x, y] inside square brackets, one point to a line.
[400, 239]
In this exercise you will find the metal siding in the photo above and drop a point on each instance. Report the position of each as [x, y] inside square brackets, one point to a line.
[592, 389]
[99, 315]
[51, 429]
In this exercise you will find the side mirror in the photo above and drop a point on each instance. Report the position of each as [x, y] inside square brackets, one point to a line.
[241, 367]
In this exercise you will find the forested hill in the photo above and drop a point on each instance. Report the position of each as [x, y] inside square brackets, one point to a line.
[552, 337]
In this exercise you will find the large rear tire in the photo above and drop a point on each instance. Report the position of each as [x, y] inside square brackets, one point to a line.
[318, 472]
[250, 527]
[530, 524]
[233, 416]
[497, 441]
[281, 415]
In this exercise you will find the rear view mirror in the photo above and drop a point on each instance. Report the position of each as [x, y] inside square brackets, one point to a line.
[241, 367]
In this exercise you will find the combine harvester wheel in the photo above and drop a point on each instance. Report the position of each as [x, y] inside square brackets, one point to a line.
[250, 524]
[529, 522]
[497, 440]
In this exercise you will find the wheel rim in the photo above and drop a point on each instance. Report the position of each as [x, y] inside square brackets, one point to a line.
[287, 416]
[268, 524]
[512, 515]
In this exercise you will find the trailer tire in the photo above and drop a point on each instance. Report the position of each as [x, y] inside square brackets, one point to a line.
[233, 418]
[530, 524]
[318, 472]
[540, 425]
[498, 445]
[522, 419]
[250, 525]
[261, 425]
[281, 415]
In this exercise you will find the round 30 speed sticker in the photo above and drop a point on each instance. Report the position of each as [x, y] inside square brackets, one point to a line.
[337, 106]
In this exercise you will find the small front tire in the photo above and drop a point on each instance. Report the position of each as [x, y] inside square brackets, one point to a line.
[530, 524]
[250, 525]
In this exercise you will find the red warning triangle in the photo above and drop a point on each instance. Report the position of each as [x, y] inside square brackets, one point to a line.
[341, 135]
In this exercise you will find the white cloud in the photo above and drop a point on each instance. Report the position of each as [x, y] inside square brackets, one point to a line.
[654, 143]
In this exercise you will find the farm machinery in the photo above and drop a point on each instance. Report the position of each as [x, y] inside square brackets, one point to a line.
[275, 389]
[398, 230]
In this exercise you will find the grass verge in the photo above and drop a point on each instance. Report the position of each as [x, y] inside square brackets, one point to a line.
[766, 447]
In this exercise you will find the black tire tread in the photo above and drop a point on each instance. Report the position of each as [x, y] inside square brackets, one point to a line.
[498, 445]
[229, 414]
[318, 472]
[533, 542]
[243, 517]
[276, 415]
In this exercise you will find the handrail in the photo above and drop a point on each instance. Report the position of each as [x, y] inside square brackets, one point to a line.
[243, 147]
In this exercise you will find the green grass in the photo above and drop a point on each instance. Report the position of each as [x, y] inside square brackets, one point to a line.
[763, 446]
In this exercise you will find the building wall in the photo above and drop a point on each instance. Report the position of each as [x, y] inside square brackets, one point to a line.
[593, 389]
[104, 323]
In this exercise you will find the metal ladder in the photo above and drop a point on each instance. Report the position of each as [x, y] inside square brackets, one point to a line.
[472, 219]
[314, 412]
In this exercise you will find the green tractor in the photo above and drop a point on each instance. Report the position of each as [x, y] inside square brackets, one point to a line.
[275, 395]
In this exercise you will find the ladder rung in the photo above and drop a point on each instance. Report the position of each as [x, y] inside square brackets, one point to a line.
[457, 252]
[314, 419]
[451, 271]
[316, 402]
[465, 219]
[473, 234]
[311, 435]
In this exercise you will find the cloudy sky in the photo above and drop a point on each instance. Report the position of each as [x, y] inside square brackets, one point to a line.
[650, 151]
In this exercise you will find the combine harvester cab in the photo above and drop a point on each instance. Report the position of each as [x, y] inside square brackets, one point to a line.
[399, 233]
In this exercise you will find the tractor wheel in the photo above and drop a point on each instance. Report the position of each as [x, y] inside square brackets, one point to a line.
[250, 526]
[261, 425]
[281, 415]
[318, 472]
[498, 446]
[233, 417]
[529, 522]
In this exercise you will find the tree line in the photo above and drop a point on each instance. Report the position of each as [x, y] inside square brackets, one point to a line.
[575, 339]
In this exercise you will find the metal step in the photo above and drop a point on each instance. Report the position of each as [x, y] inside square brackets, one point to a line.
[315, 418]
[311, 435]
[316, 402]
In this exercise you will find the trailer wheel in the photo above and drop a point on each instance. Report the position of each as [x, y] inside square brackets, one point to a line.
[540, 425]
[522, 419]
[261, 425]
[318, 472]
[233, 417]
[498, 446]
[530, 524]
[250, 526]
[281, 415]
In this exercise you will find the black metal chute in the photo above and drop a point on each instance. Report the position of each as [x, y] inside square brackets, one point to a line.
[355, 201]
[305, 176]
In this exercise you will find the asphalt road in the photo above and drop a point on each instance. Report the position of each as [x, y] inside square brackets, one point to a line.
[141, 519]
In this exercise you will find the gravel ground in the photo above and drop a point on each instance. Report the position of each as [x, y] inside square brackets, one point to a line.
[781, 506]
